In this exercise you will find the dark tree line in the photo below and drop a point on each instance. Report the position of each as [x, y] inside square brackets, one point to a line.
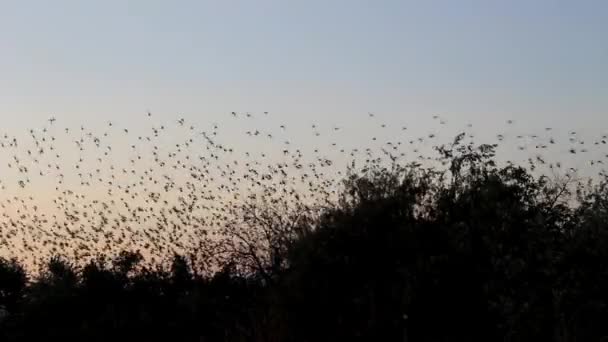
[477, 252]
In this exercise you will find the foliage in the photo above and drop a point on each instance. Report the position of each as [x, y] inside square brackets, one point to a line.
[476, 252]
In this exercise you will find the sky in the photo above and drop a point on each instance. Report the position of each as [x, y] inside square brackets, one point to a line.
[329, 63]
[89, 61]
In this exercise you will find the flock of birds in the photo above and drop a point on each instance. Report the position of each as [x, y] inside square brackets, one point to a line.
[178, 187]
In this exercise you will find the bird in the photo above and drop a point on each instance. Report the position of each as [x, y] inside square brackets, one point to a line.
[143, 187]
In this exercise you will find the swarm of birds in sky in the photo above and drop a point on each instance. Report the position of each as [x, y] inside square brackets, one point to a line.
[176, 187]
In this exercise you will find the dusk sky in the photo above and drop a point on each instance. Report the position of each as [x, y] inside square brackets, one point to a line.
[483, 61]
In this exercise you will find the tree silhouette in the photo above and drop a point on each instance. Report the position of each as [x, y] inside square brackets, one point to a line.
[471, 252]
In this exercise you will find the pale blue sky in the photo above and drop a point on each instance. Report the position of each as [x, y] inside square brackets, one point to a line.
[484, 61]
[538, 62]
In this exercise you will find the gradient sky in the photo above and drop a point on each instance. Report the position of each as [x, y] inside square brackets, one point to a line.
[540, 62]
